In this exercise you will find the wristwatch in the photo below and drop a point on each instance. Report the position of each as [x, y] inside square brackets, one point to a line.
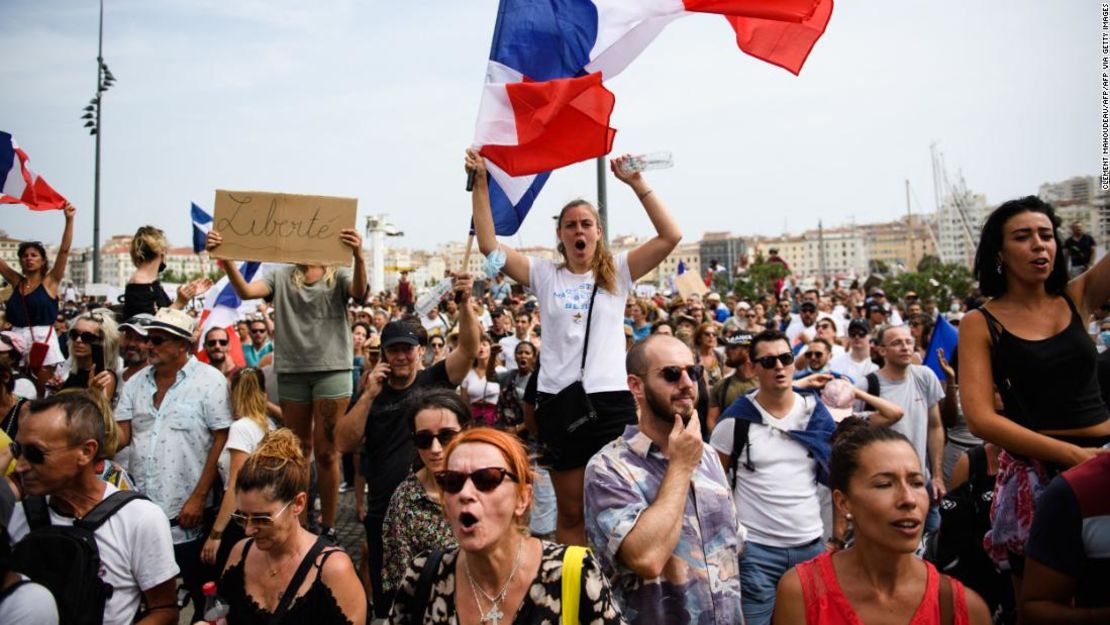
[215, 534]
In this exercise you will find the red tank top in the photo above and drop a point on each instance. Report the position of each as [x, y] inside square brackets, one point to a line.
[826, 604]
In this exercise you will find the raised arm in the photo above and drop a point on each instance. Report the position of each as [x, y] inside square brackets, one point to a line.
[887, 412]
[357, 290]
[11, 275]
[58, 271]
[648, 255]
[516, 264]
[977, 400]
[1091, 288]
[459, 360]
[245, 290]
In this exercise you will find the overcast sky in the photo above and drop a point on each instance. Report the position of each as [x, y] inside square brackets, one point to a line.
[377, 100]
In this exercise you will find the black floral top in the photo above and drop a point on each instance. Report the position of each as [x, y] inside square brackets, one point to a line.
[542, 603]
[413, 524]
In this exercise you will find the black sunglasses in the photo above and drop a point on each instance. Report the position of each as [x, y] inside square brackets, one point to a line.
[423, 439]
[87, 338]
[215, 342]
[673, 373]
[484, 480]
[158, 339]
[857, 334]
[768, 362]
[33, 454]
[811, 354]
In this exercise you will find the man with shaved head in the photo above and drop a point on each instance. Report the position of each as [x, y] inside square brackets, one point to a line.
[659, 514]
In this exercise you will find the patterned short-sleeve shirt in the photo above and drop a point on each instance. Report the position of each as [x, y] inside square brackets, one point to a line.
[170, 442]
[702, 577]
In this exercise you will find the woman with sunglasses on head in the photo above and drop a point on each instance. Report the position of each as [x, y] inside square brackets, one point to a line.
[587, 272]
[877, 483]
[705, 349]
[497, 574]
[248, 408]
[33, 305]
[1030, 340]
[94, 353]
[280, 566]
[415, 521]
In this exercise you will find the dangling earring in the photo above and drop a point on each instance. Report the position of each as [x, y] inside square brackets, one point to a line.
[998, 267]
[848, 517]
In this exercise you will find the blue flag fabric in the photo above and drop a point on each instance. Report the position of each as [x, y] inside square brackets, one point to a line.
[945, 336]
[202, 222]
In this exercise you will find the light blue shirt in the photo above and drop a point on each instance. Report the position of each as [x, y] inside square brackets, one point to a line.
[170, 443]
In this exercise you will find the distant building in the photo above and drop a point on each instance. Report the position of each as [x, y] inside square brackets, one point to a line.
[723, 247]
[1076, 189]
[959, 222]
[895, 245]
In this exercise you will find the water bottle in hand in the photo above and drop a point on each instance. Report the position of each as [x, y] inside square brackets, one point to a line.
[647, 162]
[215, 608]
[432, 298]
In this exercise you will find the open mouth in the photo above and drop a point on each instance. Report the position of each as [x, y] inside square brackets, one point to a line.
[467, 520]
[907, 526]
[1041, 262]
[579, 245]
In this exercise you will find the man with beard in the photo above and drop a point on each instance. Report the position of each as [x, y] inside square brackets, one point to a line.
[779, 441]
[659, 512]
[376, 416]
[215, 347]
[742, 380]
[134, 344]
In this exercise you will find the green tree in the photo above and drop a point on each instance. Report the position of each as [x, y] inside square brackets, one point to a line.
[761, 279]
[934, 280]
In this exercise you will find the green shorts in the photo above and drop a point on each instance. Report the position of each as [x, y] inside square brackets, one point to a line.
[303, 388]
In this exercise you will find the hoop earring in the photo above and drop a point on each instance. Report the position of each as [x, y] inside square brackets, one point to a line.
[998, 267]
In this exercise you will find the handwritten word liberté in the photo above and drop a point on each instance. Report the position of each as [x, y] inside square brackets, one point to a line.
[246, 221]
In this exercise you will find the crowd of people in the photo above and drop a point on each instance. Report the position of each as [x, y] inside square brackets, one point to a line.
[562, 444]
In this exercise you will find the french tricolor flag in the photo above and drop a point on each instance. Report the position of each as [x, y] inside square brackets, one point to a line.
[544, 105]
[221, 310]
[19, 184]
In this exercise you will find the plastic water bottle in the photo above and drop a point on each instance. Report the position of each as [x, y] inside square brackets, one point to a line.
[432, 298]
[215, 608]
[647, 162]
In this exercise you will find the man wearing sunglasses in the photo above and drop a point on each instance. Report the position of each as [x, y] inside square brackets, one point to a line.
[134, 344]
[57, 449]
[175, 415]
[740, 382]
[216, 342]
[658, 507]
[259, 344]
[778, 440]
[857, 363]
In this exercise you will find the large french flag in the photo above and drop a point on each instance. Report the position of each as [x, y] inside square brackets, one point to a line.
[544, 105]
[221, 310]
[19, 184]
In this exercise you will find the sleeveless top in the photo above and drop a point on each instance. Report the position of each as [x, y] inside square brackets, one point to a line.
[42, 308]
[826, 603]
[144, 298]
[1051, 383]
[317, 606]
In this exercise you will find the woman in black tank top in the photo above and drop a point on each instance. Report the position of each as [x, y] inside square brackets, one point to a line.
[1029, 342]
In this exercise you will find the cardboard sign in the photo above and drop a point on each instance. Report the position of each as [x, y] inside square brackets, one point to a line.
[689, 284]
[282, 228]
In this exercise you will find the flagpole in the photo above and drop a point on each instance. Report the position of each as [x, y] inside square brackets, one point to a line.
[602, 200]
[99, 128]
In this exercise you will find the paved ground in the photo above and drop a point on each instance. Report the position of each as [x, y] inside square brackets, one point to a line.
[351, 535]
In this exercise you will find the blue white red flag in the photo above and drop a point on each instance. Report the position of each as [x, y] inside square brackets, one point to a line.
[19, 184]
[202, 223]
[544, 105]
[221, 310]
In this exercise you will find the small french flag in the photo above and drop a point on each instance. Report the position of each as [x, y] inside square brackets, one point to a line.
[202, 222]
[19, 184]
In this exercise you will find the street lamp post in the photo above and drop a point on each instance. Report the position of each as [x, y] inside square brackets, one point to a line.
[92, 117]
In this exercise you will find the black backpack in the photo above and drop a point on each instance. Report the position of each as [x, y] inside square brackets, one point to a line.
[66, 560]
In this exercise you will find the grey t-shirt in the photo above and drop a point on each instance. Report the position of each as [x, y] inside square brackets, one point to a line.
[919, 391]
[310, 323]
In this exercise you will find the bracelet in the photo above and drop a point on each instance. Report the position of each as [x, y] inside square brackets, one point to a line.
[837, 542]
[645, 193]
[215, 534]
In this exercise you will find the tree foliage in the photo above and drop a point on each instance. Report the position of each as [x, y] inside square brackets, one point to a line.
[934, 280]
[760, 279]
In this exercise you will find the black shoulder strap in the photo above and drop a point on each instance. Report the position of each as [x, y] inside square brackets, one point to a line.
[586, 342]
[739, 443]
[295, 583]
[976, 463]
[106, 508]
[1071, 305]
[37, 512]
[10, 590]
[419, 603]
[873, 384]
[994, 326]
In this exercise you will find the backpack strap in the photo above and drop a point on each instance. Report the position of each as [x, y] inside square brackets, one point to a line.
[976, 463]
[739, 444]
[37, 512]
[572, 583]
[106, 508]
[295, 583]
[418, 604]
[947, 613]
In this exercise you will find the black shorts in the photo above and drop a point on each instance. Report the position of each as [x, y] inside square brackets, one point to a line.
[562, 451]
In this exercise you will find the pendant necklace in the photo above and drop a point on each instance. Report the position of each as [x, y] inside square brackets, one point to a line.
[494, 615]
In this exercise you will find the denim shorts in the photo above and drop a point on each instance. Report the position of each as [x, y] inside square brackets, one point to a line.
[303, 388]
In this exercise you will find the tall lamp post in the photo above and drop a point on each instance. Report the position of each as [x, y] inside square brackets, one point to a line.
[104, 80]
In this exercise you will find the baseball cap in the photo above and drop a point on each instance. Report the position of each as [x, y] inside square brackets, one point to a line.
[740, 339]
[12, 341]
[877, 291]
[138, 323]
[807, 305]
[396, 332]
[859, 324]
[876, 307]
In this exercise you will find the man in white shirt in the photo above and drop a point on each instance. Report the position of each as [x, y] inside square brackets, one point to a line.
[434, 323]
[522, 325]
[857, 363]
[57, 449]
[779, 441]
